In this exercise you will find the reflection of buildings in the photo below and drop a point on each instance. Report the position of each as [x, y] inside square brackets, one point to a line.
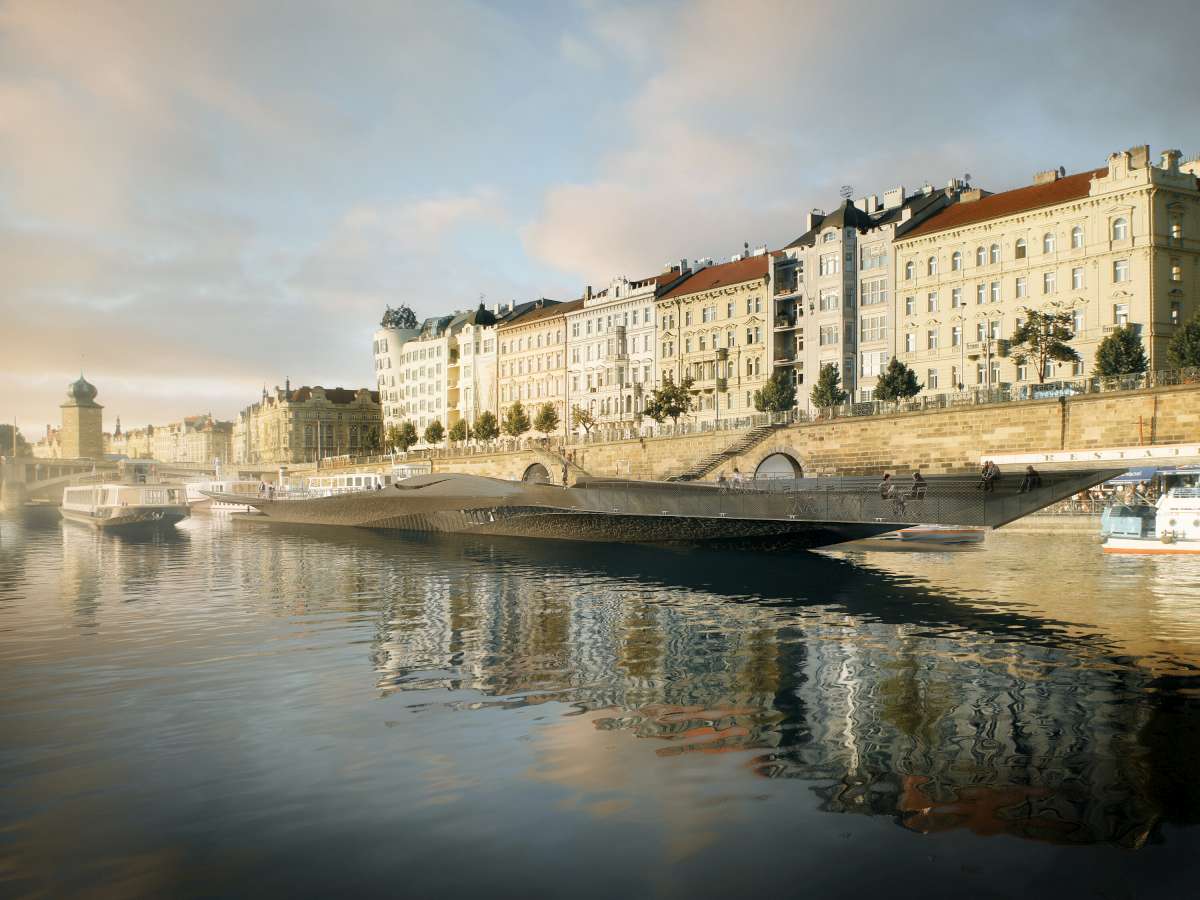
[969, 724]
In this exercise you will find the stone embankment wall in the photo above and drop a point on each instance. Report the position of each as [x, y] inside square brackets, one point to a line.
[934, 441]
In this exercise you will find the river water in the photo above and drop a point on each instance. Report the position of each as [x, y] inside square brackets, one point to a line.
[243, 710]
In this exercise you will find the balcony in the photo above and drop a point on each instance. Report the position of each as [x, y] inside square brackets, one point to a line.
[786, 323]
[1109, 329]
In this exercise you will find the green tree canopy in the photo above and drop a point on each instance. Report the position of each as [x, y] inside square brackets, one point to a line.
[6, 441]
[546, 419]
[486, 428]
[583, 418]
[671, 400]
[1043, 337]
[458, 431]
[406, 435]
[1184, 350]
[827, 392]
[897, 382]
[1121, 353]
[777, 395]
[516, 420]
[370, 440]
[434, 432]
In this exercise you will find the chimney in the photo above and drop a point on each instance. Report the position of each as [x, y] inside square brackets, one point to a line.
[1139, 156]
[587, 293]
[970, 196]
[893, 198]
[1047, 177]
[813, 219]
[1170, 161]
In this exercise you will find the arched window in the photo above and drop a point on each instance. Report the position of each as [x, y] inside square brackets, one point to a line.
[932, 265]
[1077, 237]
[980, 256]
[909, 269]
[1019, 249]
[956, 261]
[995, 253]
[1120, 229]
[1048, 242]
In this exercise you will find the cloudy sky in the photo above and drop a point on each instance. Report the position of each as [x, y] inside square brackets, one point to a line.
[200, 198]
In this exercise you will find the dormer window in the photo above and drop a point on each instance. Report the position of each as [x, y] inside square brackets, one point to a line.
[829, 236]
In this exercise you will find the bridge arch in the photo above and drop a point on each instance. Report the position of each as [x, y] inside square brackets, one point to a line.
[536, 473]
[779, 465]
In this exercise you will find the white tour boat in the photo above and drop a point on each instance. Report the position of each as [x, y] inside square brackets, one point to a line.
[1171, 525]
[349, 483]
[125, 506]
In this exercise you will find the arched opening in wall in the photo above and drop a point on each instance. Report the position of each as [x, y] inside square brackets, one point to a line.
[536, 474]
[779, 465]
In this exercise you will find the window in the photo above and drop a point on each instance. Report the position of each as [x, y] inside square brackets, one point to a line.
[1077, 237]
[909, 270]
[829, 264]
[687, 345]
[994, 329]
[828, 301]
[954, 380]
[874, 363]
[981, 331]
[1049, 282]
[980, 256]
[1076, 321]
[874, 292]
[1019, 249]
[1048, 242]
[956, 299]
[708, 314]
[931, 302]
[980, 292]
[687, 318]
[995, 297]
[873, 328]
[931, 265]
[995, 254]
[1121, 314]
[1022, 372]
[931, 339]
[1175, 312]
[910, 306]
[1120, 229]
[828, 335]
[1077, 278]
[1120, 270]
[874, 257]
[829, 237]
[1078, 367]
[956, 261]
[1021, 289]
[980, 373]
[749, 335]
[1176, 228]
[910, 342]
[931, 380]
[1176, 270]
[729, 310]
[956, 336]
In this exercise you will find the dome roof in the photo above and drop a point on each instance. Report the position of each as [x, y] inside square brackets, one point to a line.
[81, 391]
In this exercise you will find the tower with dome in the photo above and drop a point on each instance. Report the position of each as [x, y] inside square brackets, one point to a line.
[82, 434]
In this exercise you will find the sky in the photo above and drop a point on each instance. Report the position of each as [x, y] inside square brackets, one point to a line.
[197, 199]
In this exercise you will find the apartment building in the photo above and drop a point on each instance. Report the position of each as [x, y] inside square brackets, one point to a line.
[533, 359]
[1112, 246]
[714, 327]
[611, 347]
[306, 424]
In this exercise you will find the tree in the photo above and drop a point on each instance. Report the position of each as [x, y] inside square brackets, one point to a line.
[1043, 337]
[583, 418]
[370, 440]
[777, 395]
[486, 428]
[1184, 350]
[434, 432]
[400, 317]
[671, 400]
[827, 392]
[406, 435]
[6, 442]
[1121, 353]
[898, 382]
[459, 431]
[516, 420]
[546, 419]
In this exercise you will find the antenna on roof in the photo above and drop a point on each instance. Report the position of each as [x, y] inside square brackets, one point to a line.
[847, 191]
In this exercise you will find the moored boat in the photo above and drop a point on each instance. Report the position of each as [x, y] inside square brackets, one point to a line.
[118, 506]
[1171, 525]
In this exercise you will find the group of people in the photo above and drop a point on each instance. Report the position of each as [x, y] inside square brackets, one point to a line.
[917, 491]
[990, 474]
[735, 480]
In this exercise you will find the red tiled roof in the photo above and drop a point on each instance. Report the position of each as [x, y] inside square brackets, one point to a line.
[725, 274]
[1008, 203]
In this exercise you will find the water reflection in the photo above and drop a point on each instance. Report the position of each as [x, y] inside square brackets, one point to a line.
[1048, 697]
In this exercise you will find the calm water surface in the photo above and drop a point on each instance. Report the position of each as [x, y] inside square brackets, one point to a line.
[242, 710]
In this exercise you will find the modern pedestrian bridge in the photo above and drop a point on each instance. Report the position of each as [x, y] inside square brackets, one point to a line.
[817, 511]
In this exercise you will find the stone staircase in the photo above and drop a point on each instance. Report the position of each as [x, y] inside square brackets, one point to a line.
[702, 467]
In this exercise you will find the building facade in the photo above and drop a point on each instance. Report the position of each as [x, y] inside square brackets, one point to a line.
[307, 424]
[714, 327]
[611, 342]
[1111, 246]
[533, 360]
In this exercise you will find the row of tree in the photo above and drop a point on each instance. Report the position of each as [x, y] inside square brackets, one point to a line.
[485, 427]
